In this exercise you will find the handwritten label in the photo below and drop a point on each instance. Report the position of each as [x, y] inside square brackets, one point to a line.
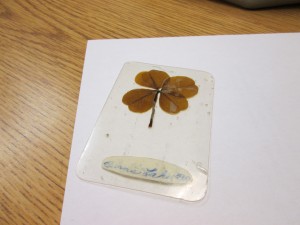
[147, 169]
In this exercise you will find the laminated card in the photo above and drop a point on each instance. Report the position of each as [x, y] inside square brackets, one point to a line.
[153, 133]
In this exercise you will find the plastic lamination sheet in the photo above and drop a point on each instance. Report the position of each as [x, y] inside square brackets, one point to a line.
[153, 133]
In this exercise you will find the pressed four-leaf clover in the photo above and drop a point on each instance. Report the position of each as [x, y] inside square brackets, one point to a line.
[172, 92]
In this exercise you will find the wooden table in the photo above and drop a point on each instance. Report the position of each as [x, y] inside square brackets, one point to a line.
[42, 52]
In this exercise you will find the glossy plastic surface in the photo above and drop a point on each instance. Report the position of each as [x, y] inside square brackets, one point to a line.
[168, 158]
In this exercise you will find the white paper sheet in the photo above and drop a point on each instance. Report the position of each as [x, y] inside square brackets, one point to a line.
[255, 149]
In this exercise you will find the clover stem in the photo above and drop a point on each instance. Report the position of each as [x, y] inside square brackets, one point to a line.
[153, 109]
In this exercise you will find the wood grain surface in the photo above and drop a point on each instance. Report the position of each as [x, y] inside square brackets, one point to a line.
[42, 48]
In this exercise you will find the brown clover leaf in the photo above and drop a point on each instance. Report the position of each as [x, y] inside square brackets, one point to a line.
[172, 91]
